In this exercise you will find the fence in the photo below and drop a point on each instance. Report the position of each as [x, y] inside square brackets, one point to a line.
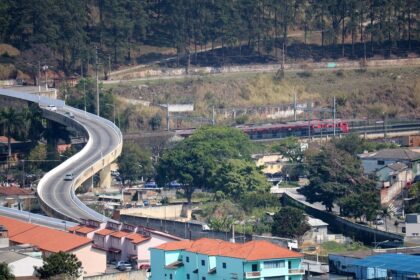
[188, 230]
[338, 224]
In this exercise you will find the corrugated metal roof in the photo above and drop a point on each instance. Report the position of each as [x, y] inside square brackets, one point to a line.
[397, 262]
[10, 257]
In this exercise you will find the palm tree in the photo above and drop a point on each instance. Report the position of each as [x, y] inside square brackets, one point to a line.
[13, 122]
[385, 214]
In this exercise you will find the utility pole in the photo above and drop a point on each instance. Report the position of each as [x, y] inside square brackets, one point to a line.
[334, 108]
[109, 66]
[167, 117]
[283, 59]
[84, 85]
[294, 106]
[39, 76]
[213, 121]
[97, 81]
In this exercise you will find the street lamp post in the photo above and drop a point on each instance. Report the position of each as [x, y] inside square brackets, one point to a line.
[45, 68]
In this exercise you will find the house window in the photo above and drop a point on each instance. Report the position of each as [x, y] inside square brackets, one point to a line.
[254, 267]
[134, 247]
[170, 276]
[203, 262]
[274, 264]
[203, 278]
[276, 278]
[187, 259]
[381, 162]
[188, 276]
[224, 265]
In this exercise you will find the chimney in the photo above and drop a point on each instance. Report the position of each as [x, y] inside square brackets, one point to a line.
[4, 237]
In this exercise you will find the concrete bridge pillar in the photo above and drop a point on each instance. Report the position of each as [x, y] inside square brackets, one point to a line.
[105, 177]
[88, 184]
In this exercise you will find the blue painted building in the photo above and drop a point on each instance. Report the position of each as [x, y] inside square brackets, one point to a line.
[388, 266]
[211, 259]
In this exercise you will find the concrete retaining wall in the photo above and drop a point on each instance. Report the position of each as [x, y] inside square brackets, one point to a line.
[187, 230]
[338, 224]
[130, 275]
[161, 212]
[161, 72]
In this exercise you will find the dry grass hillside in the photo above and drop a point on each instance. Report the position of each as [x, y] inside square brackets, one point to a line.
[360, 93]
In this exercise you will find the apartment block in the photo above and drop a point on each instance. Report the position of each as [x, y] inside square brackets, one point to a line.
[211, 259]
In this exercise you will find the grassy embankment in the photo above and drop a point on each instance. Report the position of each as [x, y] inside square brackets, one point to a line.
[374, 92]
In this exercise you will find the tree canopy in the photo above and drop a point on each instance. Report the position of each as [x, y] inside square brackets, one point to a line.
[135, 163]
[60, 264]
[289, 222]
[69, 29]
[194, 161]
[336, 178]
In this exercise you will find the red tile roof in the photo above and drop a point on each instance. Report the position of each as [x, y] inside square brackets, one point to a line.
[105, 231]
[85, 229]
[120, 234]
[251, 251]
[6, 191]
[137, 238]
[46, 239]
[3, 139]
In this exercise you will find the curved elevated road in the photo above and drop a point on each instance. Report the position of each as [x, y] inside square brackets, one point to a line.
[104, 144]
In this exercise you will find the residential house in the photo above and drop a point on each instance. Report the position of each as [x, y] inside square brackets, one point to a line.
[319, 230]
[412, 225]
[122, 242]
[50, 241]
[392, 179]
[376, 160]
[210, 259]
[18, 198]
[21, 265]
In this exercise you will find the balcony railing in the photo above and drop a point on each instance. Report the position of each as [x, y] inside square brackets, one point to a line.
[297, 271]
[252, 274]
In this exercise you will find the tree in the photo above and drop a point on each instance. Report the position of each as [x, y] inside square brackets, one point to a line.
[60, 264]
[5, 272]
[36, 156]
[194, 161]
[236, 177]
[289, 148]
[134, 163]
[155, 122]
[13, 122]
[289, 222]
[331, 172]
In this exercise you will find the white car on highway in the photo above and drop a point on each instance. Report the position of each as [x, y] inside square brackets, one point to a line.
[52, 107]
[69, 177]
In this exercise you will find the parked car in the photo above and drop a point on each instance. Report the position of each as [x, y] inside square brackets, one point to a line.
[52, 107]
[378, 222]
[124, 266]
[150, 184]
[69, 177]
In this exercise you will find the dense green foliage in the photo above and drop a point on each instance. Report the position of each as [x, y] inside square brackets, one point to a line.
[237, 178]
[289, 222]
[196, 162]
[61, 264]
[135, 163]
[5, 272]
[69, 29]
[336, 178]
